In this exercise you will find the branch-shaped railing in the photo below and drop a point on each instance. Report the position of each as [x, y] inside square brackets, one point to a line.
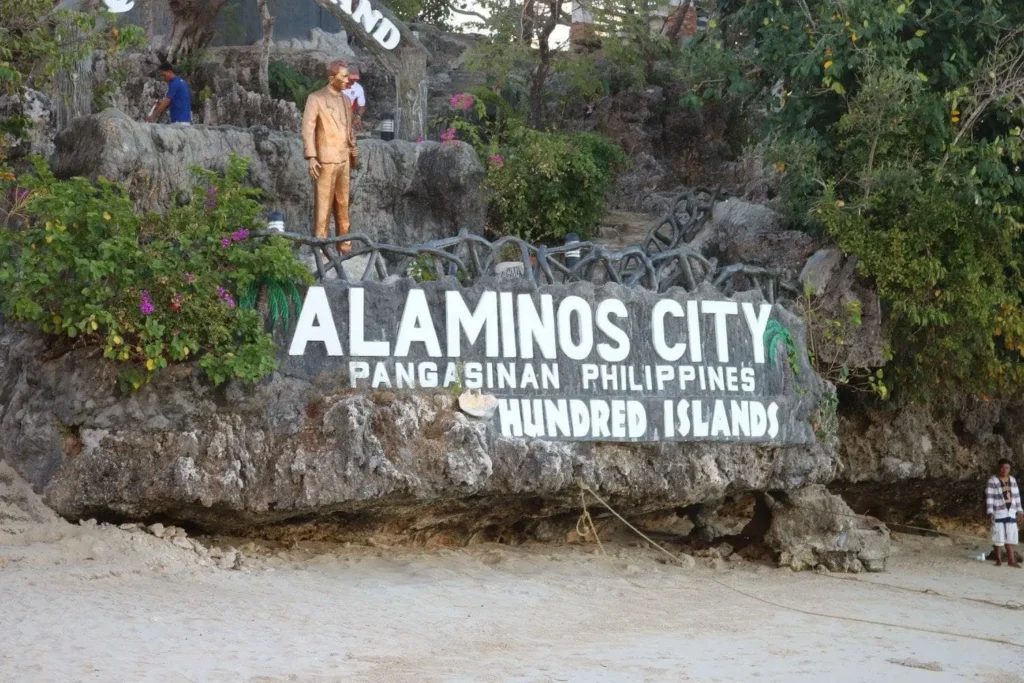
[663, 259]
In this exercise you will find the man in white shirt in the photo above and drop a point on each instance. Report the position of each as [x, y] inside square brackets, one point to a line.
[1005, 513]
[357, 96]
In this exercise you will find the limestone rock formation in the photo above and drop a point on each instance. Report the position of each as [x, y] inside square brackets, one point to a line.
[37, 108]
[236, 106]
[812, 527]
[303, 446]
[916, 461]
[404, 192]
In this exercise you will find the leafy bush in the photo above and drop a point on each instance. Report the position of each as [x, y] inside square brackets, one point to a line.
[546, 185]
[898, 128]
[543, 185]
[38, 41]
[287, 83]
[77, 260]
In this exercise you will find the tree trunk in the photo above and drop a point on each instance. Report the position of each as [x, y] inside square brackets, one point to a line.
[411, 87]
[407, 64]
[268, 31]
[193, 27]
[543, 69]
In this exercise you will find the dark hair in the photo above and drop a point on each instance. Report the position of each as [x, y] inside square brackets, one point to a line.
[1004, 461]
[165, 66]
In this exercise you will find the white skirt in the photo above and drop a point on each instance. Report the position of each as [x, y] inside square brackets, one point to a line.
[1004, 533]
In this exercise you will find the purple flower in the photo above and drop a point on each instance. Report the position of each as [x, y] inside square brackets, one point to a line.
[211, 199]
[419, 139]
[497, 160]
[239, 235]
[21, 194]
[211, 192]
[448, 137]
[226, 297]
[190, 278]
[225, 243]
[145, 305]
[209, 205]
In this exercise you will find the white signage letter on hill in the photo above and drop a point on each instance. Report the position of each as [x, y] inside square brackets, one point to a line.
[388, 35]
[368, 16]
[119, 6]
[315, 324]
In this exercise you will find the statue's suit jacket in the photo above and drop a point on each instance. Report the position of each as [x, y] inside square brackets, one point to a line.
[327, 127]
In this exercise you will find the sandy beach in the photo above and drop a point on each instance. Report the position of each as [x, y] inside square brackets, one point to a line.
[95, 602]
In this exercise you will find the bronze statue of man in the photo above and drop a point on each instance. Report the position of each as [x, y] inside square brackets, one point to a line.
[329, 146]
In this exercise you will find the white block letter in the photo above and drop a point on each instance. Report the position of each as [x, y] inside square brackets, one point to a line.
[315, 324]
[609, 353]
[417, 325]
[357, 343]
[661, 309]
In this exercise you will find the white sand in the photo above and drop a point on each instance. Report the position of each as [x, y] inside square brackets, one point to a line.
[95, 603]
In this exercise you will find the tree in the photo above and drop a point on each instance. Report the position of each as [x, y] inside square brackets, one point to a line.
[407, 63]
[898, 127]
[544, 17]
[268, 33]
[519, 56]
[193, 27]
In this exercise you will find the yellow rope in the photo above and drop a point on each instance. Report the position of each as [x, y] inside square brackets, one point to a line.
[798, 610]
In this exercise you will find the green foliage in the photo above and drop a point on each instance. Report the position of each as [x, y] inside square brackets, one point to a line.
[709, 69]
[37, 41]
[77, 260]
[440, 13]
[188, 65]
[287, 83]
[546, 185]
[775, 334]
[628, 40]
[543, 185]
[897, 125]
[828, 346]
[825, 420]
[280, 295]
[422, 269]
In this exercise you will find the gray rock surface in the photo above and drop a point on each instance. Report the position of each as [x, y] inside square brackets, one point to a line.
[812, 527]
[916, 461]
[819, 269]
[302, 446]
[851, 301]
[233, 105]
[404, 192]
[38, 109]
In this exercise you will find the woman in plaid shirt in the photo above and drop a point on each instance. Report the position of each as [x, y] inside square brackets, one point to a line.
[1002, 502]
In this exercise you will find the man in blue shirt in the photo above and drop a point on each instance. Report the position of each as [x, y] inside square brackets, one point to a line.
[178, 99]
